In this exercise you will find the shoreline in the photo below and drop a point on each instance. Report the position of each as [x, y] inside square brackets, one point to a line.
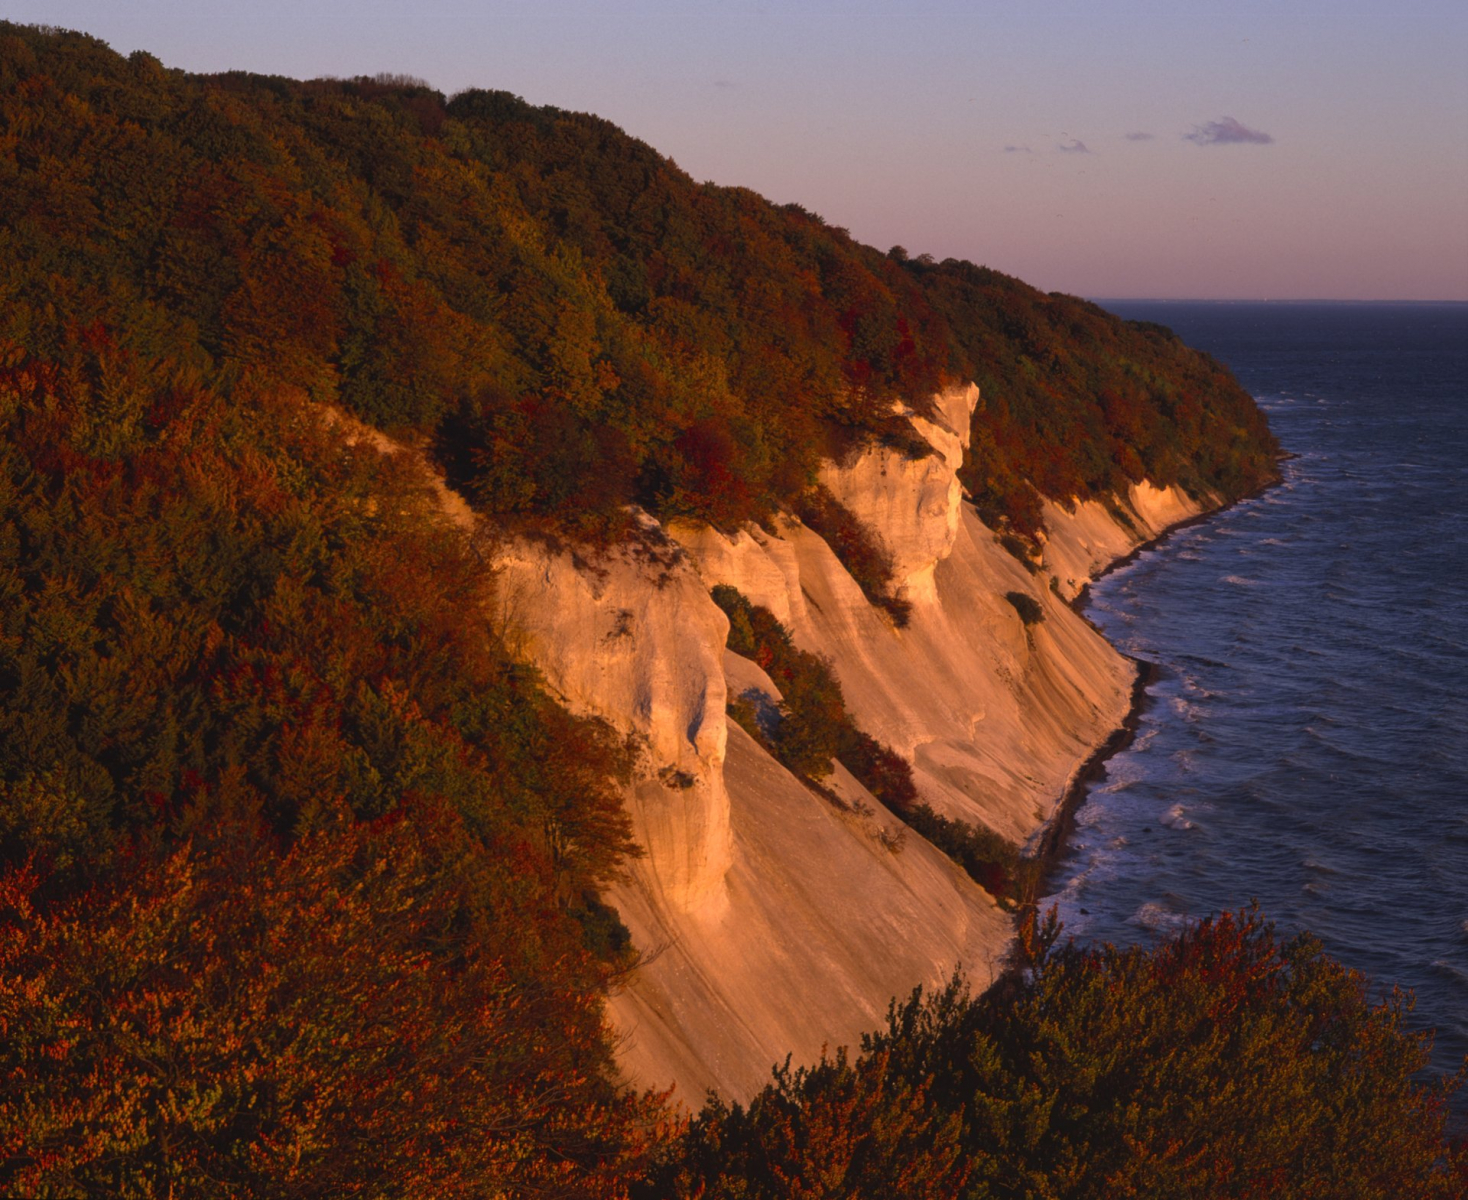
[1054, 837]
[1081, 599]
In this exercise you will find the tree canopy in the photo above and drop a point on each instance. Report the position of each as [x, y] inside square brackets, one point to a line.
[564, 315]
[301, 870]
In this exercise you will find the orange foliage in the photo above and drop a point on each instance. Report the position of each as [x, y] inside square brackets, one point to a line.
[229, 1015]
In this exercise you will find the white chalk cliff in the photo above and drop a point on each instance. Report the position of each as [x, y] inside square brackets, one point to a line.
[771, 920]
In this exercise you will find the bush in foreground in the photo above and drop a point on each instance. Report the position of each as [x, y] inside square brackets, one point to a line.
[232, 1015]
[1225, 1063]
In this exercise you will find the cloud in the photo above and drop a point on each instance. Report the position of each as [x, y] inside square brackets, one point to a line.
[1074, 146]
[1226, 131]
[1139, 137]
[1017, 150]
[725, 83]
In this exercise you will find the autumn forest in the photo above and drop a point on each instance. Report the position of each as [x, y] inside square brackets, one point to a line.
[301, 872]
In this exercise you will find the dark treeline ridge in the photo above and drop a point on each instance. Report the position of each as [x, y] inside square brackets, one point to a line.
[567, 317]
[299, 867]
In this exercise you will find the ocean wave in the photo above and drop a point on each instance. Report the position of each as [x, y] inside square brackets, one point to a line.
[1239, 581]
[1145, 738]
[1088, 814]
[1193, 686]
[1173, 818]
[1158, 918]
[1185, 708]
[1450, 970]
[1202, 661]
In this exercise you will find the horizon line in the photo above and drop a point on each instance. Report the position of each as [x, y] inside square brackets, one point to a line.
[1257, 300]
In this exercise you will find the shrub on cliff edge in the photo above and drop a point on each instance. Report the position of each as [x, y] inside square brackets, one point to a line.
[812, 725]
[1222, 1064]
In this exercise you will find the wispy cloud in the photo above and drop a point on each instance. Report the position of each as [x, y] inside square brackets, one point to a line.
[1017, 150]
[1226, 131]
[1139, 137]
[1074, 146]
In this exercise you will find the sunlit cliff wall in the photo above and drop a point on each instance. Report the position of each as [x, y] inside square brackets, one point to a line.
[772, 920]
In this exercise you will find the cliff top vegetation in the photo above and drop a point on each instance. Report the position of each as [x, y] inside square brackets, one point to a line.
[299, 869]
[564, 316]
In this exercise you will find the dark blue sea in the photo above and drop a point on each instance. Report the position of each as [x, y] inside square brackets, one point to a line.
[1307, 742]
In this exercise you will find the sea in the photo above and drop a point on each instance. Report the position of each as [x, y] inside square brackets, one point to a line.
[1306, 743]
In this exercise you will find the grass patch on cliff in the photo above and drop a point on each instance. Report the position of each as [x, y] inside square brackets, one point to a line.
[1027, 607]
[993, 862]
[810, 727]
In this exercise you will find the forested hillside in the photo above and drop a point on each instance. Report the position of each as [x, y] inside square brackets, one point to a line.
[299, 867]
[567, 317]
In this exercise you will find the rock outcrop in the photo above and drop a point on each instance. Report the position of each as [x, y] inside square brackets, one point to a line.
[772, 920]
[634, 638]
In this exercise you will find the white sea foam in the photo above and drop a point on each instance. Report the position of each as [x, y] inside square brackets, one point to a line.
[1185, 708]
[1088, 814]
[1239, 581]
[1124, 769]
[1158, 917]
[1173, 818]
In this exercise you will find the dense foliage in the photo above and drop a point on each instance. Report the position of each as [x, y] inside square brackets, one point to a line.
[1076, 403]
[565, 315]
[230, 1015]
[1222, 1064]
[299, 869]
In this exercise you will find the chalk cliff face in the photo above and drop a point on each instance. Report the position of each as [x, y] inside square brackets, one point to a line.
[913, 503]
[635, 639]
[772, 920]
[1082, 542]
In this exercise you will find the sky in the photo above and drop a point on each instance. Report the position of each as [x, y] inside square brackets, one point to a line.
[1289, 149]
